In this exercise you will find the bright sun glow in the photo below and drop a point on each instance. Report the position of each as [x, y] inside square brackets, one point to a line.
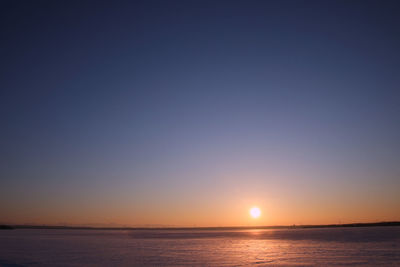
[255, 212]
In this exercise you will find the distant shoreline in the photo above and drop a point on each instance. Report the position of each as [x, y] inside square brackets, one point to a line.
[376, 224]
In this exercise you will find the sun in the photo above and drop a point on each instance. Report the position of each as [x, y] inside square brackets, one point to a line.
[255, 212]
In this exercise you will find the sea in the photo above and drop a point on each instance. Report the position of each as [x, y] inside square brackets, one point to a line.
[347, 246]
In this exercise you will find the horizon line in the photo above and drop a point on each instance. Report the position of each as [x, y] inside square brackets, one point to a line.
[66, 227]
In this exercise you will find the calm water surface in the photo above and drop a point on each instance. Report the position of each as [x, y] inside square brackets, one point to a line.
[366, 246]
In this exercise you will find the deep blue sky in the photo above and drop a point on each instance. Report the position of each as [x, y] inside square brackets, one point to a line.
[160, 104]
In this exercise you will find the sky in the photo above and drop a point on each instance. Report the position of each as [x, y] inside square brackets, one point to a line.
[189, 113]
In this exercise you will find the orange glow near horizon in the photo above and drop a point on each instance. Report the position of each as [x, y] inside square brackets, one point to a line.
[227, 203]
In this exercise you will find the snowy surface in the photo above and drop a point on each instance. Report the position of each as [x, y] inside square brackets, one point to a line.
[373, 246]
